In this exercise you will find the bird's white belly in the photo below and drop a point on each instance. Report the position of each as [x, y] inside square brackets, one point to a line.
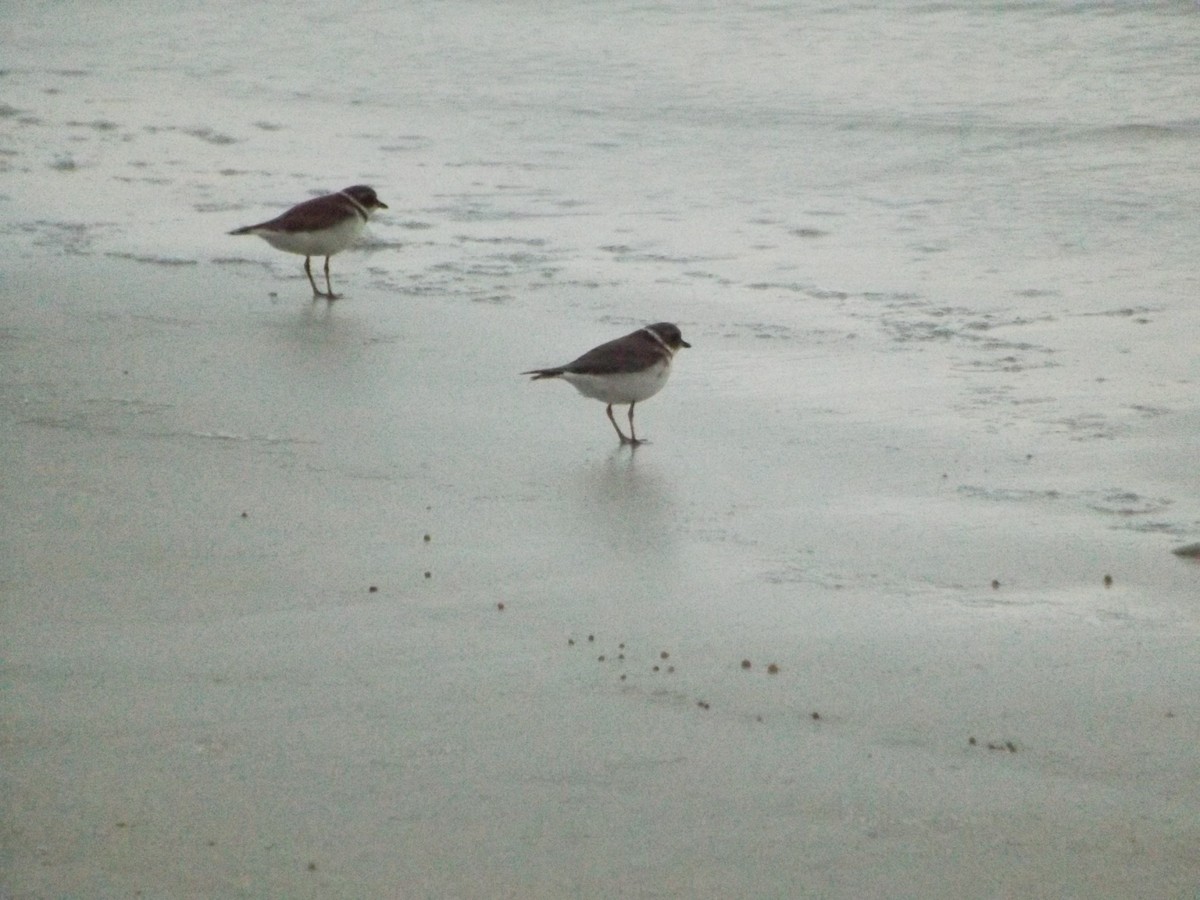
[630, 387]
[315, 243]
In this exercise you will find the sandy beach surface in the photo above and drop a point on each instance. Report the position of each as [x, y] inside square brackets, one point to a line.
[235, 664]
[301, 599]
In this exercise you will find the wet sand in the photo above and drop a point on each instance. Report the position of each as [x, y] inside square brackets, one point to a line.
[312, 600]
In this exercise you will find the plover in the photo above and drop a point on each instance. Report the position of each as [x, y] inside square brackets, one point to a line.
[629, 370]
[322, 226]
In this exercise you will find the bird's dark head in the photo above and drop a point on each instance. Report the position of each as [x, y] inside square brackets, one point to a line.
[670, 334]
[365, 194]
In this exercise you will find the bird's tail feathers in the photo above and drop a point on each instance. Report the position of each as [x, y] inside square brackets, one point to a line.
[543, 373]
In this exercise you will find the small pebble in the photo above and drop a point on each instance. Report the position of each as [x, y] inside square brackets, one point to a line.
[570, 642]
[702, 704]
[500, 606]
[372, 589]
[772, 669]
[1108, 581]
[995, 584]
[670, 669]
[816, 716]
[245, 515]
[745, 663]
[591, 637]
[312, 867]
[971, 740]
[428, 574]
[655, 669]
[428, 539]
[664, 655]
[600, 658]
[622, 677]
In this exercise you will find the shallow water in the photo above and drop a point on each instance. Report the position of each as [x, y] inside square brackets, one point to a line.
[937, 265]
